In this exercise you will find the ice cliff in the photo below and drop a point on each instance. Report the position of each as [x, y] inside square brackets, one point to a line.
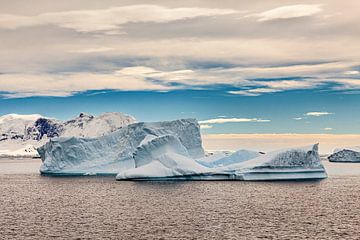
[128, 147]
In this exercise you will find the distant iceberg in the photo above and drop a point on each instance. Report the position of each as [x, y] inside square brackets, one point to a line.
[116, 151]
[350, 154]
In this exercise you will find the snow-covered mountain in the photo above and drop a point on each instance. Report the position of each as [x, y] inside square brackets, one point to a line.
[21, 134]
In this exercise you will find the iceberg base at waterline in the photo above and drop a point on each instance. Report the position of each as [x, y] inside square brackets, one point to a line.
[290, 164]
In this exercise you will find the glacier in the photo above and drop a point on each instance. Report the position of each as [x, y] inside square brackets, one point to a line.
[349, 154]
[117, 151]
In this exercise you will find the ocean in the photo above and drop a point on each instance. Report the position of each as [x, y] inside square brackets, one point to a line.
[42, 207]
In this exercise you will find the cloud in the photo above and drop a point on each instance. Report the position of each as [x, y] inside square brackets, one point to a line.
[328, 129]
[351, 72]
[347, 84]
[233, 120]
[277, 86]
[205, 126]
[108, 20]
[318, 114]
[67, 84]
[93, 50]
[298, 118]
[142, 78]
[289, 12]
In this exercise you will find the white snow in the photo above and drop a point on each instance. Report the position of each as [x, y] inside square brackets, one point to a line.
[26, 151]
[89, 126]
[11, 117]
[222, 159]
[19, 133]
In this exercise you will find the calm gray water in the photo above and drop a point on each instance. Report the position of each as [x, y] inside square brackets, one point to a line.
[36, 207]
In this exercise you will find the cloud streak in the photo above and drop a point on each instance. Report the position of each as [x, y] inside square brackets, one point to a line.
[289, 12]
[233, 120]
[247, 80]
[108, 20]
[205, 126]
[317, 114]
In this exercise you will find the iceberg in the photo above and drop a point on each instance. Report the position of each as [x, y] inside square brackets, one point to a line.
[289, 164]
[172, 150]
[350, 154]
[128, 147]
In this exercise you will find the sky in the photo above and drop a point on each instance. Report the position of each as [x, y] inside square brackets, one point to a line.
[239, 67]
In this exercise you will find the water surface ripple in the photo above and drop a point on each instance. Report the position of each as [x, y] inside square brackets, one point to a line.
[36, 207]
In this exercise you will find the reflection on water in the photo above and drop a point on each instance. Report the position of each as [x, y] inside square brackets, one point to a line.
[36, 207]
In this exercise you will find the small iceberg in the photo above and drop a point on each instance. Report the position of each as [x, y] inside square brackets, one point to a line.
[351, 154]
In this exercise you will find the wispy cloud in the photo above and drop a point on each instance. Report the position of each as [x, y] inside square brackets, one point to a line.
[277, 86]
[205, 126]
[93, 50]
[328, 129]
[289, 12]
[67, 84]
[298, 118]
[108, 20]
[351, 72]
[233, 120]
[318, 114]
[249, 81]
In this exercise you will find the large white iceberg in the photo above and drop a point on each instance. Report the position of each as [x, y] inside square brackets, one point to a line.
[172, 150]
[117, 151]
[349, 154]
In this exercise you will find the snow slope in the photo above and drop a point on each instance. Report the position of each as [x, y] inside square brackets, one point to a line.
[19, 133]
[222, 159]
[13, 126]
[128, 147]
[160, 158]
